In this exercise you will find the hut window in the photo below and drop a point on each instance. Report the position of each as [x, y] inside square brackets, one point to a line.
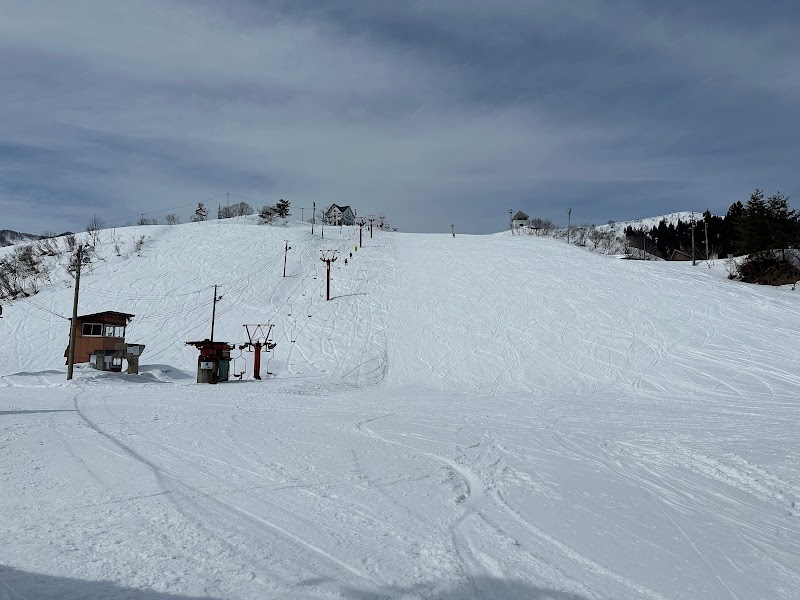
[117, 362]
[92, 329]
[117, 331]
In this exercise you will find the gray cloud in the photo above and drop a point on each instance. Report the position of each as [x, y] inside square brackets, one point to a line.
[430, 112]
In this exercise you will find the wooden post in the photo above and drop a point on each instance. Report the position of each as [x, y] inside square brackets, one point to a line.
[214, 313]
[74, 323]
[285, 253]
[361, 223]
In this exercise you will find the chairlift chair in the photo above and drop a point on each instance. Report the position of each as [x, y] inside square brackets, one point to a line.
[239, 375]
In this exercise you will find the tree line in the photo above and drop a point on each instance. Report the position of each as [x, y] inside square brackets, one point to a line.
[764, 230]
[240, 209]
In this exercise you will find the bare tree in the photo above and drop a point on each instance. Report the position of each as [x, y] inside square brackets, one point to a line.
[595, 236]
[267, 213]
[172, 219]
[138, 243]
[239, 209]
[607, 241]
[93, 229]
[115, 238]
[541, 226]
[70, 241]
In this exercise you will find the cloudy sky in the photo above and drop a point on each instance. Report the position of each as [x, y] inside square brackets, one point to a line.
[437, 112]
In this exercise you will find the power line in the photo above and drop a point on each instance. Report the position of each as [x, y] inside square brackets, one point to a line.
[152, 212]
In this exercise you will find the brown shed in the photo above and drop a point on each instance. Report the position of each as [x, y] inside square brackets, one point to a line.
[99, 331]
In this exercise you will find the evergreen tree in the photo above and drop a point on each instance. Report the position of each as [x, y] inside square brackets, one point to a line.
[753, 229]
[732, 226]
[282, 208]
[783, 223]
[200, 213]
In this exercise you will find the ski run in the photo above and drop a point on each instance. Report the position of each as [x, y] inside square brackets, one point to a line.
[469, 417]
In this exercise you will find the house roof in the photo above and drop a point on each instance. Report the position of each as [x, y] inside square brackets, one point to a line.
[105, 314]
[520, 216]
[341, 208]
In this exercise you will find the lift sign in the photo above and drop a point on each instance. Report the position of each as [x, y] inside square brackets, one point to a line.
[207, 365]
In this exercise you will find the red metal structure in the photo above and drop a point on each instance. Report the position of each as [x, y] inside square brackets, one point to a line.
[258, 339]
[328, 257]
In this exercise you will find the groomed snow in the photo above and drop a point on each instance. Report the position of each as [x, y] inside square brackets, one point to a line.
[473, 417]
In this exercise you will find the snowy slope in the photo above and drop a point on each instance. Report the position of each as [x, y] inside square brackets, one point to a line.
[470, 417]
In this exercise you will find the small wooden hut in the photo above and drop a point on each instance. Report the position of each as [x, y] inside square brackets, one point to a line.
[98, 334]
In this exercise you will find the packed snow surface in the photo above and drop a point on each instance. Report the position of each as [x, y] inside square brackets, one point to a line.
[474, 417]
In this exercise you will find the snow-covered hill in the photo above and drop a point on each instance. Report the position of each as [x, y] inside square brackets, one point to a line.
[469, 417]
[649, 222]
[9, 237]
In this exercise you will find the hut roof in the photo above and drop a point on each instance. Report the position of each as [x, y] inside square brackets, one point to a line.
[106, 313]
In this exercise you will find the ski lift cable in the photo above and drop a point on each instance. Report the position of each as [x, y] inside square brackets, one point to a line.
[33, 304]
[22, 305]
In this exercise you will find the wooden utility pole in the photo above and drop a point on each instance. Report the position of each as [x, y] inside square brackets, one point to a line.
[511, 220]
[693, 260]
[302, 214]
[453, 229]
[214, 312]
[705, 224]
[313, 216]
[73, 326]
[361, 222]
[569, 220]
[285, 253]
[328, 257]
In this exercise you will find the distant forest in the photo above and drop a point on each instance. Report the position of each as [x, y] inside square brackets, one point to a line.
[762, 228]
[759, 225]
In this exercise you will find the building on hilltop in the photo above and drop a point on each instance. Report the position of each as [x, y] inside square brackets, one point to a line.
[340, 215]
[520, 220]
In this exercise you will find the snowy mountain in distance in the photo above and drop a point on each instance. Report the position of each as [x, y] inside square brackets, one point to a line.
[650, 222]
[496, 416]
[9, 237]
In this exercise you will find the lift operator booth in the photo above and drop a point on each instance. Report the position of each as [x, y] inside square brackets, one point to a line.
[213, 364]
